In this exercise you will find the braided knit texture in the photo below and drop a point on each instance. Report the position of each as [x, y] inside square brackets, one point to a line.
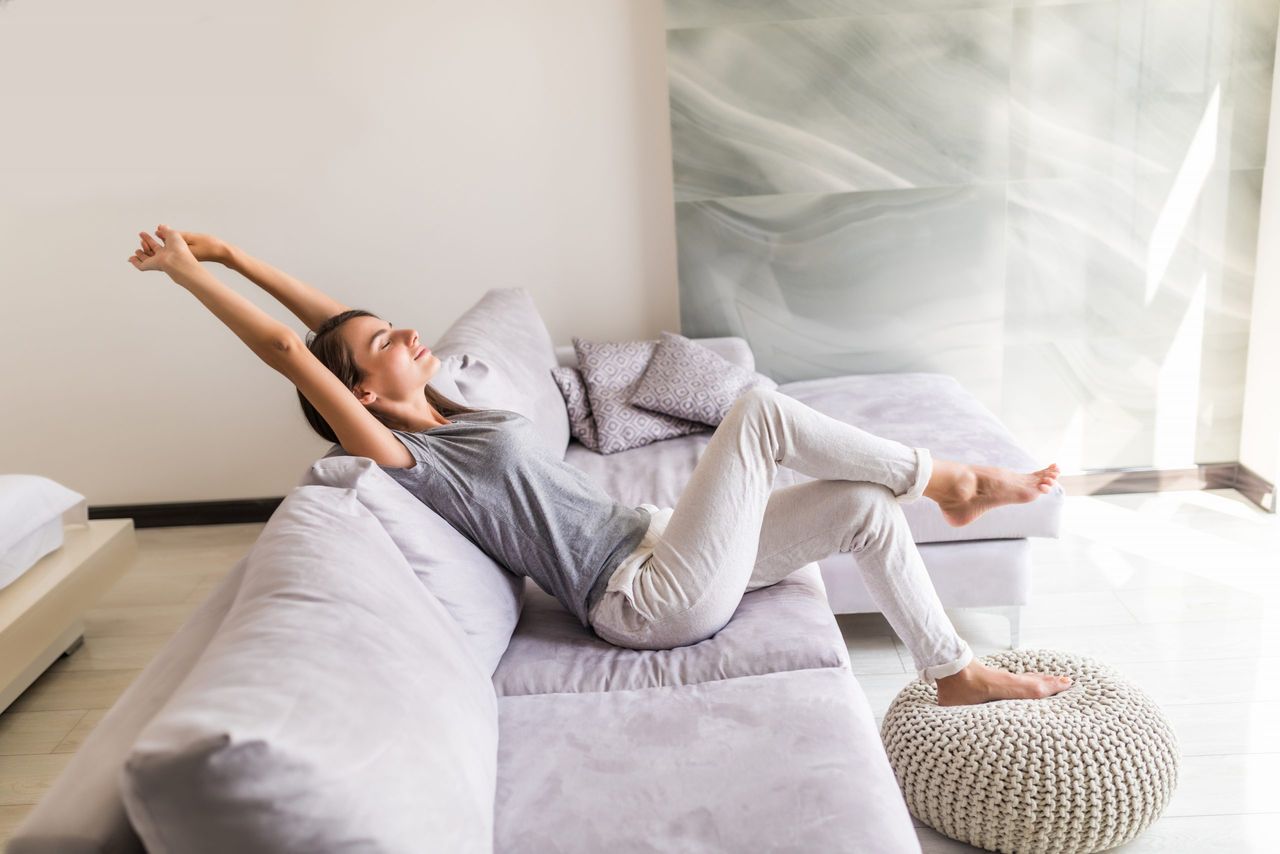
[1084, 770]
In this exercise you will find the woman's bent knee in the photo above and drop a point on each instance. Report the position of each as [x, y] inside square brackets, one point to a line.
[871, 510]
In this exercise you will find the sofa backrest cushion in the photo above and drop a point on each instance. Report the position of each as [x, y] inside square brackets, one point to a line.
[443, 380]
[509, 361]
[482, 596]
[336, 708]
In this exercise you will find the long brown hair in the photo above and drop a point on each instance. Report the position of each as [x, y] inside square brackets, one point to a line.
[333, 352]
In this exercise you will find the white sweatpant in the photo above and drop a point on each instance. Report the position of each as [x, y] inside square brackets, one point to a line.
[729, 533]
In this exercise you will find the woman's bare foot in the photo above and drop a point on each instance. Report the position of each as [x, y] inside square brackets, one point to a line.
[978, 683]
[965, 492]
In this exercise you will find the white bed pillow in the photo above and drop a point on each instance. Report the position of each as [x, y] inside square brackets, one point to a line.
[33, 510]
[335, 709]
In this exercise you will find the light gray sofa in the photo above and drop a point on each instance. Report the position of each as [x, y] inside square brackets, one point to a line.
[758, 738]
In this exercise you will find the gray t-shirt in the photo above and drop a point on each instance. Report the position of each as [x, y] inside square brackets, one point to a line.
[490, 477]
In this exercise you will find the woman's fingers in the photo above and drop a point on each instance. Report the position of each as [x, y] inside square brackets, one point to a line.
[147, 243]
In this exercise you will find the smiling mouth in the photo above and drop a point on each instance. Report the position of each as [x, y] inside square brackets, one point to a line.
[420, 353]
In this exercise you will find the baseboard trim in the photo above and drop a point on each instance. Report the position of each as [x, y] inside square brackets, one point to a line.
[1100, 482]
[1231, 475]
[171, 514]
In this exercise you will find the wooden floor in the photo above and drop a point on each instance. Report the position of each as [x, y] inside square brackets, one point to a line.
[1178, 590]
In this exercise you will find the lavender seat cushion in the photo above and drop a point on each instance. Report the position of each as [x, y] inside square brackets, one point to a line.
[919, 409]
[778, 762]
[786, 626]
[935, 411]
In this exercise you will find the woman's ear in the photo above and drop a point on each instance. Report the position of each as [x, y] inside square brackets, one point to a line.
[365, 397]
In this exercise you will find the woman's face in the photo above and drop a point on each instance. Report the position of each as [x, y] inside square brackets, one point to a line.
[395, 363]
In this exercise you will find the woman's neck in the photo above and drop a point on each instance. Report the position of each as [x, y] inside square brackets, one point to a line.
[417, 422]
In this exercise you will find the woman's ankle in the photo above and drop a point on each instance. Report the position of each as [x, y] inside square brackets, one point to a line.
[970, 674]
[949, 480]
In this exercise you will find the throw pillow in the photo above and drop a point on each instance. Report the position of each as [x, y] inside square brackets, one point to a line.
[611, 371]
[484, 598]
[688, 381]
[582, 425]
[335, 709]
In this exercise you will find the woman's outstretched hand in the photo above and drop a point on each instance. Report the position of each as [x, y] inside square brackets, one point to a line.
[206, 247]
[168, 254]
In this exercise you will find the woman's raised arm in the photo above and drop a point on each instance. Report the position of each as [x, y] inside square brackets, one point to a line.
[308, 304]
[357, 429]
[263, 334]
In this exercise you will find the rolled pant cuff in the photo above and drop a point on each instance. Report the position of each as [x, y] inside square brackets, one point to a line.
[930, 675]
[924, 471]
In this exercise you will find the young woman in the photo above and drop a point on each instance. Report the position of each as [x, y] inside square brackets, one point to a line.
[640, 577]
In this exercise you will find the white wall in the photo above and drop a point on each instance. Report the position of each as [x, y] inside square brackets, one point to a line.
[403, 156]
[1260, 426]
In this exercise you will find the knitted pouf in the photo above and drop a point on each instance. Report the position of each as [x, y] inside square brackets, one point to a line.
[1082, 771]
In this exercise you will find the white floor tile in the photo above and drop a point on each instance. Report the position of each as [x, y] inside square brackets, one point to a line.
[1227, 785]
[1210, 729]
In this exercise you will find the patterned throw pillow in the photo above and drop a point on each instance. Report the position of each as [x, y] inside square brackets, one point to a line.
[581, 424]
[686, 380]
[611, 371]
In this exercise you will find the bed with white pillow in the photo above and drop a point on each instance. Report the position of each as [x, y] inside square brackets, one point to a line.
[54, 564]
[33, 511]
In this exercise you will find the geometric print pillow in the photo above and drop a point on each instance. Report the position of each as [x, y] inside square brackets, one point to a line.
[689, 381]
[611, 371]
[581, 425]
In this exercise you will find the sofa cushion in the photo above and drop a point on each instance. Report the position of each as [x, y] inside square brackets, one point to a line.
[510, 361]
[786, 626]
[443, 380]
[967, 574]
[690, 381]
[935, 411]
[481, 595]
[611, 370]
[922, 410]
[778, 762]
[582, 424]
[658, 471]
[336, 708]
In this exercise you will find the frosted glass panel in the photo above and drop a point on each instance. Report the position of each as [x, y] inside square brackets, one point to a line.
[1056, 203]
